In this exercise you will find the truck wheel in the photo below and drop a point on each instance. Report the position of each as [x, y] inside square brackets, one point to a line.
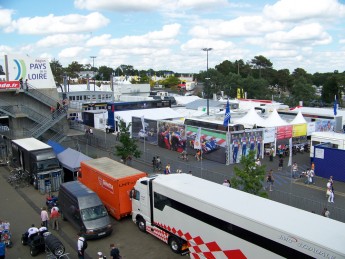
[141, 224]
[175, 244]
[33, 251]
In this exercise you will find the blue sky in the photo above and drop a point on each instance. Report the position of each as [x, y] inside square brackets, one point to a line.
[169, 34]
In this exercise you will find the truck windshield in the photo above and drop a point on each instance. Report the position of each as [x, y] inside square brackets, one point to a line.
[47, 165]
[93, 213]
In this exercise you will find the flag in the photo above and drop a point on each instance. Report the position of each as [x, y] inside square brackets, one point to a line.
[290, 152]
[335, 107]
[227, 115]
[143, 123]
[197, 141]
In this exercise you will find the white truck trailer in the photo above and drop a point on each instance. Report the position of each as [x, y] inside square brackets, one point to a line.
[209, 220]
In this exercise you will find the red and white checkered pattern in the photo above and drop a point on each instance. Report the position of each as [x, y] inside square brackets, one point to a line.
[199, 249]
[157, 232]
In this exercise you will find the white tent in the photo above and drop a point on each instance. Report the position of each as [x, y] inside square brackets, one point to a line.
[274, 120]
[251, 118]
[299, 119]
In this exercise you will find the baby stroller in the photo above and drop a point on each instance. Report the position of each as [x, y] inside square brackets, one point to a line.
[6, 238]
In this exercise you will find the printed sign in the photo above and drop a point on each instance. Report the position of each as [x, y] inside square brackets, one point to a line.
[10, 85]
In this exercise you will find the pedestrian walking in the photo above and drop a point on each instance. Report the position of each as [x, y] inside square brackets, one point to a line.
[52, 111]
[312, 175]
[281, 163]
[329, 192]
[81, 246]
[26, 85]
[54, 216]
[294, 170]
[114, 252]
[21, 83]
[154, 164]
[44, 217]
[269, 181]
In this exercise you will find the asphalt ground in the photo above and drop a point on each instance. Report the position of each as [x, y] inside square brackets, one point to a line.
[311, 197]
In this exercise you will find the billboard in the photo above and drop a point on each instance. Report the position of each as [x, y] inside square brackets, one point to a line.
[36, 70]
[149, 134]
[244, 141]
[213, 143]
[171, 135]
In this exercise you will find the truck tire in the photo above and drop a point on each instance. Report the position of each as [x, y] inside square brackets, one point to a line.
[175, 244]
[54, 245]
[141, 224]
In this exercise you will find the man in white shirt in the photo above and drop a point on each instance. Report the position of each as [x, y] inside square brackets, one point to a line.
[33, 230]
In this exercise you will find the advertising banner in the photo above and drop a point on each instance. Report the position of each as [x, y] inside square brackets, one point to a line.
[269, 135]
[213, 143]
[149, 134]
[310, 128]
[6, 85]
[299, 130]
[244, 141]
[172, 135]
[324, 125]
[284, 132]
[36, 70]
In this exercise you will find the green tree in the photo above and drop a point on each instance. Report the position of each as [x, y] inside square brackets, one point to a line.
[260, 62]
[57, 71]
[73, 69]
[249, 177]
[127, 148]
[303, 91]
[330, 89]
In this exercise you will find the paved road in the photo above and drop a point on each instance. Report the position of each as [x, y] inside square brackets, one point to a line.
[287, 190]
[21, 207]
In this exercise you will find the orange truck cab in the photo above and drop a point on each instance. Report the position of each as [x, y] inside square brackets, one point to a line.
[112, 181]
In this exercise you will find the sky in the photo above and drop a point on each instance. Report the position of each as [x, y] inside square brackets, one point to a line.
[170, 34]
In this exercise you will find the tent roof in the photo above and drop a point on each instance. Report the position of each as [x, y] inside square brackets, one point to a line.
[71, 159]
[299, 119]
[251, 118]
[56, 146]
[274, 120]
[150, 114]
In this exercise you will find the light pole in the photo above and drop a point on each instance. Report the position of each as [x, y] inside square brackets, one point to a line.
[93, 66]
[207, 85]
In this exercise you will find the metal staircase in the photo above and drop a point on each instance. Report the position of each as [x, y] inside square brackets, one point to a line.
[43, 122]
[41, 97]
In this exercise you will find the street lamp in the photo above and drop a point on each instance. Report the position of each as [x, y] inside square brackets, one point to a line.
[207, 83]
[93, 66]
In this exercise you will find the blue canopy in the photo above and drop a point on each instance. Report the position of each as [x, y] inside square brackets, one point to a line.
[56, 146]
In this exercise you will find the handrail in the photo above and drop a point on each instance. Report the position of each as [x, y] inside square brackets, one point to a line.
[43, 98]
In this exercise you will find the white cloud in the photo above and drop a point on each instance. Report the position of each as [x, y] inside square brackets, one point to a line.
[59, 40]
[238, 27]
[201, 4]
[119, 5]
[312, 33]
[52, 24]
[295, 10]
[73, 52]
[6, 17]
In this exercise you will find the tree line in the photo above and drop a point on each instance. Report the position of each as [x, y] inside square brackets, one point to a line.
[256, 77]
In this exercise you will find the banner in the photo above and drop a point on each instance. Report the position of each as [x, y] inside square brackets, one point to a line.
[269, 135]
[299, 130]
[36, 70]
[9, 85]
[310, 128]
[284, 132]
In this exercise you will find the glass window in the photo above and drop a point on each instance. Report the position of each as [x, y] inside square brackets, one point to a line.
[93, 213]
